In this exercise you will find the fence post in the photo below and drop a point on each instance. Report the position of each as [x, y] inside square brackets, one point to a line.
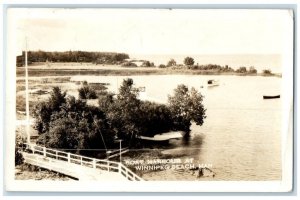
[56, 155]
[69, 157]
[94, 163]
[120, 168]
[44, 150]
[108, 166]
[32, 148]
[80, 160]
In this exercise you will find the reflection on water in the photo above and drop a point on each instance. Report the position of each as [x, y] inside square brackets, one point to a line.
[242, 132]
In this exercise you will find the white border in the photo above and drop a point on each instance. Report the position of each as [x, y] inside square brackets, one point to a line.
[156, 186]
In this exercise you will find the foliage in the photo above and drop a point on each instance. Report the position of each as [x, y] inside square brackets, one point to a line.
[42, 112]
[267, 72]
[188, 61]
[68, 123]
[252, 70]
[162, 66]
[123, 112]
[18, 155]
[147, 64]
[241, 70]
[155, 118]
[186, 106]
[77, 126]
[87, 92]
[129, 64]
[72, 56]
[171, 63]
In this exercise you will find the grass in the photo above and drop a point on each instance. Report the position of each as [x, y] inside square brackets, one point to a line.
[124, 72]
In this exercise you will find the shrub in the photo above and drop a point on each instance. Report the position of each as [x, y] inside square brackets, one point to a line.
[87, 92]
[162, 66]
[129, 64]
[252, 70]
[147, 64]
[267, 72]
[241, 70]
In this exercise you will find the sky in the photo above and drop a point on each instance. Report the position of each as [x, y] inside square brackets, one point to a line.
[154, 31]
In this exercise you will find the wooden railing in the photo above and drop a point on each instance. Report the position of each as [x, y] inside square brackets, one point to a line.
[105, 165]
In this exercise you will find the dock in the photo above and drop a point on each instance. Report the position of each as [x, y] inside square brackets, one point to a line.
[77, 166]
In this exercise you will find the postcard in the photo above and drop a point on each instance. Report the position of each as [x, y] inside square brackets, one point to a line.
[160, 100]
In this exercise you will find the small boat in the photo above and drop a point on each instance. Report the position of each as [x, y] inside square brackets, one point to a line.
[164, 136]
[271, 97]
[142, 89]
[212, 83]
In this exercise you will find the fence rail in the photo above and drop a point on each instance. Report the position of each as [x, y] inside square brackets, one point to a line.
[105, 165]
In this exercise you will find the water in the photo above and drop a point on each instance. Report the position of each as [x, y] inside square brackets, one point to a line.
[260, 62]
[241, 136]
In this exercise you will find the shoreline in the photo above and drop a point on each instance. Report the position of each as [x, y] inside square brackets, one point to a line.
[127, 71]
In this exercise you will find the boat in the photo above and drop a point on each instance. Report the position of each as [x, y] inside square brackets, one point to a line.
[164, 136]
[212, 83]
[271, 97]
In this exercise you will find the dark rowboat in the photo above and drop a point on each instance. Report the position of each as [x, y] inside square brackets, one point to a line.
[271, 97]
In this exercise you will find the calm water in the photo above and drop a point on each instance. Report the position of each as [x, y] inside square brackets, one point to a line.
[242, 132]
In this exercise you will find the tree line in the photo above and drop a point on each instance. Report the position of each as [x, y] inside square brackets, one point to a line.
[68, 123]
[189, 63]
[72, 56]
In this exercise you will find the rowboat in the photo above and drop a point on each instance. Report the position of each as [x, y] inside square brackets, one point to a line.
[212, 83]
[164, 136]
[271, 97]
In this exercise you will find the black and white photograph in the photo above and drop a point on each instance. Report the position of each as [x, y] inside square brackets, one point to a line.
[138, 96]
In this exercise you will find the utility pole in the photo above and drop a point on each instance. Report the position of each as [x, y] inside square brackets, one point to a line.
[27, 94]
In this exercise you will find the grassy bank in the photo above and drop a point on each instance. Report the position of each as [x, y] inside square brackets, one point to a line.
[36, 72]
[30, 172]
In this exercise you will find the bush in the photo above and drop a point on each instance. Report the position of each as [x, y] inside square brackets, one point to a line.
[129, 64]
[241, 70]
[267, 72]
[87, 92]
[162, 66]
[147, 64]
[252, 70]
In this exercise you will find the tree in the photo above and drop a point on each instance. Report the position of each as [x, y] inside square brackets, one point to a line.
[77, 126]
[123, 112]
[186, 106]
[42, 111]
[252, 70]
[241, 70]
[188, 61]
[171, 63]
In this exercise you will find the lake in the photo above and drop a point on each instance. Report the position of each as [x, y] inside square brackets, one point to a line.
[241, 136]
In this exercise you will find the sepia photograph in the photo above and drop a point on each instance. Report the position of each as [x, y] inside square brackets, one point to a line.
[155, 96]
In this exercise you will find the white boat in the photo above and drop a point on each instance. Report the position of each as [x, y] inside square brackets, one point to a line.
[212, 83]
[164, 136]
